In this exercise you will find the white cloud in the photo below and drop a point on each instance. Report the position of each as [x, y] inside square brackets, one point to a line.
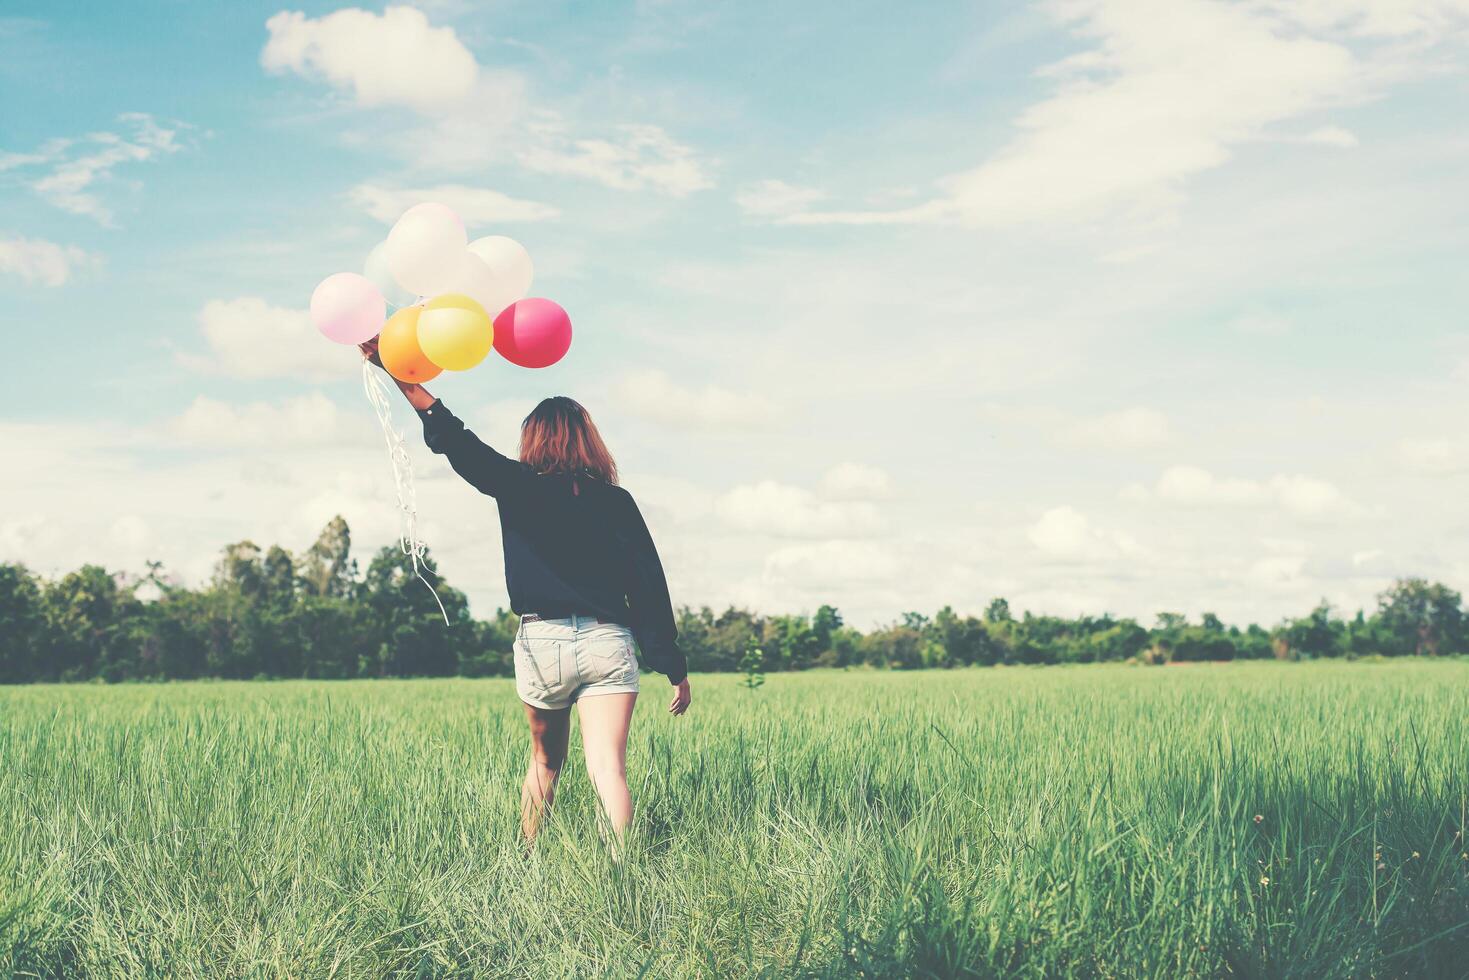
[1065, 532]
[777, 509]
[829, 565]
[1301, 496]
[776, 199]
[249, 338]
[1129, 428]
[637, 157]
[130, 531]
[1332, 136]
[475, 205]
[304, 420]
[653, 395]
[855, 481]
[393, 58]
[1435, 456]
[66, 172]
[1278, 572]
[38, 261]
[1163, 93]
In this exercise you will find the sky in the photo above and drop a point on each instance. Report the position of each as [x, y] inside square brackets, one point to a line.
[1104, 306]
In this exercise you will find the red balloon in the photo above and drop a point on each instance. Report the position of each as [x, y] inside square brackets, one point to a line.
[533, 333]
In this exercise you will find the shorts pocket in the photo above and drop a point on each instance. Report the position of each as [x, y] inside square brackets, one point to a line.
[539, 661]
[615, 659]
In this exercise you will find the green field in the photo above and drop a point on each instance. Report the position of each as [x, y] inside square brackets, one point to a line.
[1247, 820]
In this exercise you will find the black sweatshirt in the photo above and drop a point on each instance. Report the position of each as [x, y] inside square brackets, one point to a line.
[586, 552]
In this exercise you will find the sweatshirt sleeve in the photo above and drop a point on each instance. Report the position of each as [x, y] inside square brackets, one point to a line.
[648, 601]
[482, 467]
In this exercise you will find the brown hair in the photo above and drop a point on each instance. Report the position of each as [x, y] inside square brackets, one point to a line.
[559, 436]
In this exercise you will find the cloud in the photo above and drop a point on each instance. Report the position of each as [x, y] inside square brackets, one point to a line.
[393, 58]
[854, 481]
[38, 261]
[1301, 496]
[249, 338]
[1064, 532]
[1434, 456]
[305, 420]
[636, 157]
[1331, 136]
[829, 565]
[1129, 428]
[776, 199]
[1162, 94]
[476, 205]
[786, 511]
[130, 532]
[653, 395]
[66, 172]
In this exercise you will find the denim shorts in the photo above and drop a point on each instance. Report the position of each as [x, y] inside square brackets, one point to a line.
[558, 661]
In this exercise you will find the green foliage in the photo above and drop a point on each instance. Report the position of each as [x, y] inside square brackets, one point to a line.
[268, 613]
[1261, 820]
[753, 665]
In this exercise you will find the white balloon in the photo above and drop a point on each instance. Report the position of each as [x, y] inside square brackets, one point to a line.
[475, 280]
[508, 262]
[425, 249]
[377, 272]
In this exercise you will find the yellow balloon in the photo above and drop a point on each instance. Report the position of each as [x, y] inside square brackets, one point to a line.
[455, 332]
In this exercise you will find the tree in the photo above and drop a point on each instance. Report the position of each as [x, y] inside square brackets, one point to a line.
[23, 637]
[998, 611]
[1315, 635]
[824, 626]
[1422, 619]
[328, 569]
[87, 613]
[414, 640]
[278, 574]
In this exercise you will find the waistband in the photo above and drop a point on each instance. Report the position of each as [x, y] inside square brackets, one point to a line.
[574, 619]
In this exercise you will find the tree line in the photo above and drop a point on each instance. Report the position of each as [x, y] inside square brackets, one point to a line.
[274, 614]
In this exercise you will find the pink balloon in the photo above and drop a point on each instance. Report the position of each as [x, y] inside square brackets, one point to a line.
[348, 308]
[533, 333]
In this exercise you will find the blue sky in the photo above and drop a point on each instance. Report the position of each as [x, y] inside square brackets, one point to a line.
[1100, 305]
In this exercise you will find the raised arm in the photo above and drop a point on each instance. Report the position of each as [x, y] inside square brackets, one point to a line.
[482, 467]
[652, 610]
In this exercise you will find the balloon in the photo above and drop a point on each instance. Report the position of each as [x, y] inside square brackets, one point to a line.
[377, 272]
[425, 249]
[510, 265]
[455, 332]
[533, 333]
[476, 281]
[397, 348]
[347, 308]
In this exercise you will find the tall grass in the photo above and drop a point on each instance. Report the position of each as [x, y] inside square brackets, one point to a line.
[1251, 820]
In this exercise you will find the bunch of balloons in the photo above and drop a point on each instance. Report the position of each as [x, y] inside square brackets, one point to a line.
[452, 300]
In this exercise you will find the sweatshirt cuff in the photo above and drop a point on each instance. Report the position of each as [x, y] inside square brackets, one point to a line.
[436, 417]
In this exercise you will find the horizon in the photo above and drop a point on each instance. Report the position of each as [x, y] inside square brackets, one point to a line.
[928, 334]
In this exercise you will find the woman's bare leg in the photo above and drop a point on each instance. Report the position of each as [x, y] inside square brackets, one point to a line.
[604, 722]
[549, 731]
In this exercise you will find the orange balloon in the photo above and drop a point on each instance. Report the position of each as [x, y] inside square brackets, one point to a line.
[397, 347]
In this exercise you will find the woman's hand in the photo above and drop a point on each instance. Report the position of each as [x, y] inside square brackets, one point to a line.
[369, 351]
[417, 395]
[680, 702]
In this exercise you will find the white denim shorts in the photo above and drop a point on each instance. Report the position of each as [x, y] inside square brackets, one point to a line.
[558, 661]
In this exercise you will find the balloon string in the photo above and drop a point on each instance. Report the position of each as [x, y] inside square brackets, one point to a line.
[408, 540]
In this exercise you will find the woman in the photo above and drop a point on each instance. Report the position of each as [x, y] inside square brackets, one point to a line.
[584, 577]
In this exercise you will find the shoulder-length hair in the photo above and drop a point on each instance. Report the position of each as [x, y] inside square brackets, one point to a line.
[559, 436]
